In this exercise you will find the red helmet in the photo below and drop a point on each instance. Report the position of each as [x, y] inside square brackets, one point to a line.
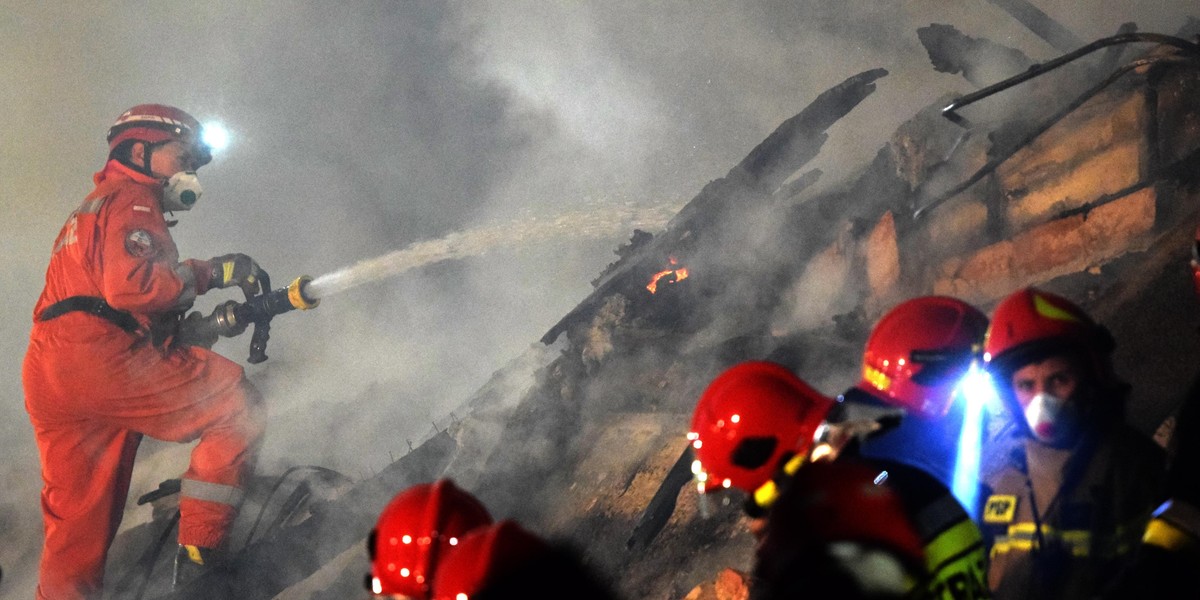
[919, 350]
[828, 502]
[414, 531]
[154, 123]
[1032, 321]
[482, 556]
[746, 422]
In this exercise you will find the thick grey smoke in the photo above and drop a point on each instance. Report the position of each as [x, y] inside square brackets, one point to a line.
[359, 128]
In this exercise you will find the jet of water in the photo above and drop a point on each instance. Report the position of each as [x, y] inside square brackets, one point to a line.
[592, 223]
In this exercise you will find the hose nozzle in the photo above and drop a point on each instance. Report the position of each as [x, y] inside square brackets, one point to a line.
[232, 318]
[296, 295]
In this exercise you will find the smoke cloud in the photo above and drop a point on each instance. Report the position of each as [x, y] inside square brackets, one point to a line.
[361, 128]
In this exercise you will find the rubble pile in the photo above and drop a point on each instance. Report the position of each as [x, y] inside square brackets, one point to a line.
[1082, 180]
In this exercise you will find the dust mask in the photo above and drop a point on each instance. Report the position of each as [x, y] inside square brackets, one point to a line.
[1051, 419]
[181, 191]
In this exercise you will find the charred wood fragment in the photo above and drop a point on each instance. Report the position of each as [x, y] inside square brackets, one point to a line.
[795, 187]
[981, 61]
[1043, 25]
[799, 138]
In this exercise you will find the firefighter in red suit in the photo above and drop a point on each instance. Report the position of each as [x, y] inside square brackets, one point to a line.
[101, 370]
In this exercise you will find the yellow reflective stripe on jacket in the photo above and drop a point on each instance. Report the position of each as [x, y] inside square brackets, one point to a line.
[1023, 537]
[767, 493]
[955, 563]
[952, 545]
[955, 556]
[1164, 534]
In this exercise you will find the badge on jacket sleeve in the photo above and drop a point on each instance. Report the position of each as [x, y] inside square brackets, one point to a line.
[139, 243]
[1000, 508]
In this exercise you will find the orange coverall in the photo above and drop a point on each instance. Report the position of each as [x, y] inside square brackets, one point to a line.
[93, 390]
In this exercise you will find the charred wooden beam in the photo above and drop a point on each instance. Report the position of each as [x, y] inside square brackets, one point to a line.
[800, 138]
[795, 142]
[1056, 34]
[662, 505]
[796, 186]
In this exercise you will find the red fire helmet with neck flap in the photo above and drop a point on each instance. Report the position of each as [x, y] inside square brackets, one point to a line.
[919, 351]
[749, 420]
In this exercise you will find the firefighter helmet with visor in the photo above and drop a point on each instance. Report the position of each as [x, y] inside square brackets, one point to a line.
[919, 350]
[1031, 323]
[751, 418]
[157, 123]
[1030, 327]
[417, 529]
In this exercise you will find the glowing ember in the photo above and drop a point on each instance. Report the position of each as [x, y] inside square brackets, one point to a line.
[679, 275]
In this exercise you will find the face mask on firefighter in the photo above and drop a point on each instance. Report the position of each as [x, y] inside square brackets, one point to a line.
[181, 191]
[1050, 418]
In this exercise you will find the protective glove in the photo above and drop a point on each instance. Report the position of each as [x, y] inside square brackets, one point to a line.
[235, 269]
[196, 330]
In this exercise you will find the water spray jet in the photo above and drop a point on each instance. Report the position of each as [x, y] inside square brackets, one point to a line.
[232, 317]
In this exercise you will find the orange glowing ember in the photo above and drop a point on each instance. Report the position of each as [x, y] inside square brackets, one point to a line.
[680, 274]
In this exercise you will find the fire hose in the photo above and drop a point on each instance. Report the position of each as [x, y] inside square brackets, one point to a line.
[231, 318]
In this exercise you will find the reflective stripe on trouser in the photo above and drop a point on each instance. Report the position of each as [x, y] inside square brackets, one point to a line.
[88, 403]
[209, 509]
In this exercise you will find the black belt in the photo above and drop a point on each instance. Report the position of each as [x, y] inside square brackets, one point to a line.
[94, 306]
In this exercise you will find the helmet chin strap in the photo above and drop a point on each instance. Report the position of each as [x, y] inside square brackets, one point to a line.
[144, 168]
[147, 151]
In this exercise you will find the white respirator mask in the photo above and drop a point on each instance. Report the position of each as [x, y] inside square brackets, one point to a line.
[181, 191]
[1051, 419]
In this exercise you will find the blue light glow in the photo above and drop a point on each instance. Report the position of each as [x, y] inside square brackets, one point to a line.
[977, 390]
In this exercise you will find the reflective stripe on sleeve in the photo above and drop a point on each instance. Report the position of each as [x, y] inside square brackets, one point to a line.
[1165, 534]
[92, 206]
[961, 539]
[211, 492]
[955, 562]
[1181, 515]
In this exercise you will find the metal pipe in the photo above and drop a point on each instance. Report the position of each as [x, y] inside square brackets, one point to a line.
[1004, 155]
[1039, 69]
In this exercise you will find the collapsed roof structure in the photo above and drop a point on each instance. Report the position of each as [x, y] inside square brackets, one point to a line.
[1078, 175]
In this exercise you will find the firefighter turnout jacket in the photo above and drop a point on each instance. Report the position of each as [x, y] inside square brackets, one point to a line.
[1061, 523]
[954, 549]
[96, 381]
